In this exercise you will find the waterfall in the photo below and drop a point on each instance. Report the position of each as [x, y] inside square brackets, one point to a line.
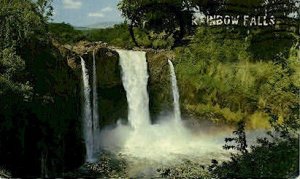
[135, 79]
[168, 139]
[87, 113]
[95, 97]
[176, 105]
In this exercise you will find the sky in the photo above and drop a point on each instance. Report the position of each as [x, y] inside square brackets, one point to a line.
[82, 13]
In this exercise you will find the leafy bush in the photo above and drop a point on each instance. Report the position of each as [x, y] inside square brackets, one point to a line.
[108, 165]
[162, 42]
[186, 169]
[117, 35]
[273, 157]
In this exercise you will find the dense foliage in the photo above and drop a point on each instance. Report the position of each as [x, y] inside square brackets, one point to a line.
[221, 79]
[36, 137]
[228, 76]
[175, 17]
[21, 22]
[117, 35]
[274, 156]
[65, 33]
[172, 17]
[108, 165]
[186, 169]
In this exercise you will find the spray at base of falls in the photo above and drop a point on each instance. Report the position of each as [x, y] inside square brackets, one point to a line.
[165, 141]
[90, 115]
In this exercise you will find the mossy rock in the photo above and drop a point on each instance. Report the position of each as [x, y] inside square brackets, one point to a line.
[112, 102]
[159, 82]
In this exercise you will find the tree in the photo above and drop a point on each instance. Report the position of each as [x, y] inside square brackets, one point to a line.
[174, 17]
[21, 22]
[169, 16]
[239, 140]
[272, 157]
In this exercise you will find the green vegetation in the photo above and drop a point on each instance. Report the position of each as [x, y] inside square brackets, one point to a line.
[225, 74]
[228, 77]
[65, 33]
[22, 24]
[221, 79]
[175, 17]
[172, 17]
[37, 91]
[109, 165]
[116, 36]
[274, 156]
[186, 169]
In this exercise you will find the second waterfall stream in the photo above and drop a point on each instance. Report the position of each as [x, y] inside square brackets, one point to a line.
[175, 92]
[90, 111]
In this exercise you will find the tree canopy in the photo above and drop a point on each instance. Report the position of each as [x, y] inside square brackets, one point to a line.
[176, 16]
[21, 22]
[171, 16]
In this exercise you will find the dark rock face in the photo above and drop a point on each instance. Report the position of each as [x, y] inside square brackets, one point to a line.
[111, 93]
[44, 136]
[112, 102]
[57, 133]
[159, 85]
[108, 70]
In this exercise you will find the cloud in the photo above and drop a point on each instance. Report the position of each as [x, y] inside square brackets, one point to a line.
[54, 13]
[96, 14]
[107, 9]
[72, 4]
[101, 13]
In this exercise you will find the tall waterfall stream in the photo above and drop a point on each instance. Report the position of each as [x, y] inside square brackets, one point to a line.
[87, 113]
[90, 112]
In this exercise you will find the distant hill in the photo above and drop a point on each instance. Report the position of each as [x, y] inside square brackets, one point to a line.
[100, 25]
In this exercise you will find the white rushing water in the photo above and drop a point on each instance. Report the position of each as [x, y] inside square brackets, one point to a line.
[90, 112]
[87, 114]
[95, 97]
[135, 80]
[95, 108]
[175, 92]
